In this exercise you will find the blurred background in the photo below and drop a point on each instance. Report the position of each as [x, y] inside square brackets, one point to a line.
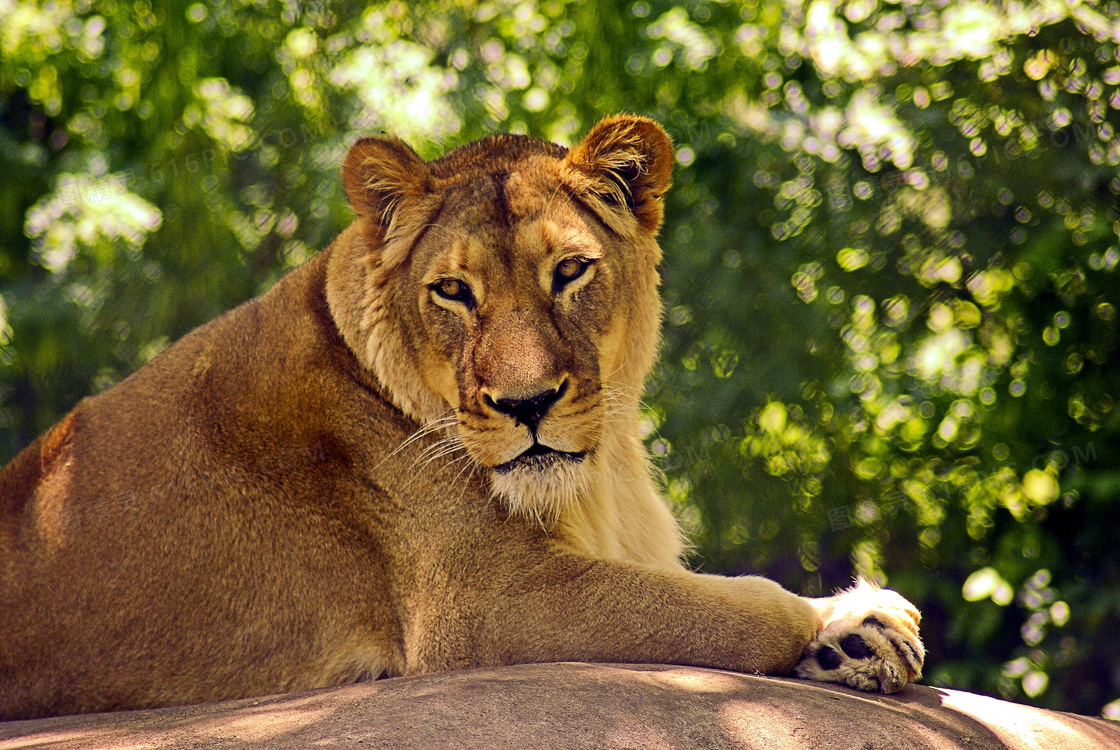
[891, 277]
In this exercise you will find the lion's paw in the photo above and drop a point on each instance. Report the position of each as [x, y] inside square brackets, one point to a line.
[869, 642]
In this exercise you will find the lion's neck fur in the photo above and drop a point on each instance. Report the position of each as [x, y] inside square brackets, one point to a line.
[369, 327]
[622, 515]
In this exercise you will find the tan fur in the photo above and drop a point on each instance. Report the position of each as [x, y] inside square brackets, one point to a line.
[326, 484]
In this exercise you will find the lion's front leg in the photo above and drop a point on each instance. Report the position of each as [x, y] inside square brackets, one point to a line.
[869, 641]
[564, 607]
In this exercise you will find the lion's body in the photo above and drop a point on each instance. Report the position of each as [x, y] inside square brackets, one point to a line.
[172, 578]
[255, 510]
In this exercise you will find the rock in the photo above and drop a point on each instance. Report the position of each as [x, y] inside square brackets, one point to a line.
[592, 706]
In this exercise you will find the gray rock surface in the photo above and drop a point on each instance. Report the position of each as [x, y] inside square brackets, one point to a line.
[585, 706]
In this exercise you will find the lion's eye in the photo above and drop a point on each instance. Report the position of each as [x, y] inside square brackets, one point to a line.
[569, 269]
[454, 290]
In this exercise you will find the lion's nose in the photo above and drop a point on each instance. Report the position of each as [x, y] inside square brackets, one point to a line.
[529, 411]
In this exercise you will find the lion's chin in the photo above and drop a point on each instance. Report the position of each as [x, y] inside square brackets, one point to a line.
[542, 483]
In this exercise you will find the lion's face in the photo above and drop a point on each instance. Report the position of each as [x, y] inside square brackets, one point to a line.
[514, 297]
[518, 301]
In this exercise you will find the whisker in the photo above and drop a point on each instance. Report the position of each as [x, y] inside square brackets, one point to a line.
[447, 450]
[438, 448]
[614, 372]
[437, 424]
[468, 465]
[426, 430]
[474, 465]
[617, 386]
[451, 463]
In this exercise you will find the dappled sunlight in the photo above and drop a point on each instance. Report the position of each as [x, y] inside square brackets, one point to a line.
[223, 112]
[569, 706]
[936, 358]
[875, 132]
[66, 738]
[694, 45]
[296, 720]
[696, 681]
[89, 212]
[1016, 725]
[264, 724]
[400, 90]
[756, 725]
[940, 34]
[633, 732]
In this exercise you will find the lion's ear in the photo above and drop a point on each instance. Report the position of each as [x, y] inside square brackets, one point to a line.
[626, 160]
[382, 174]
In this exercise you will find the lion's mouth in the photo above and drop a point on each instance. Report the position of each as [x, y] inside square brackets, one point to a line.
[538, 458]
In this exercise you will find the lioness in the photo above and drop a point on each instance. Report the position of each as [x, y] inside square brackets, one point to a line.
[417, 452]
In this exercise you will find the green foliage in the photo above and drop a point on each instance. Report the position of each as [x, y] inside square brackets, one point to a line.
[891, 276]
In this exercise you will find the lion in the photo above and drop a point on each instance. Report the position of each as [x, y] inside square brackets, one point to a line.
[418, 452]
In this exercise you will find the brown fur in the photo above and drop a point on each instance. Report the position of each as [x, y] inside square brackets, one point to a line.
[320, 486]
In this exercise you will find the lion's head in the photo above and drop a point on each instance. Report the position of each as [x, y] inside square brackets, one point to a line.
[508, 292]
